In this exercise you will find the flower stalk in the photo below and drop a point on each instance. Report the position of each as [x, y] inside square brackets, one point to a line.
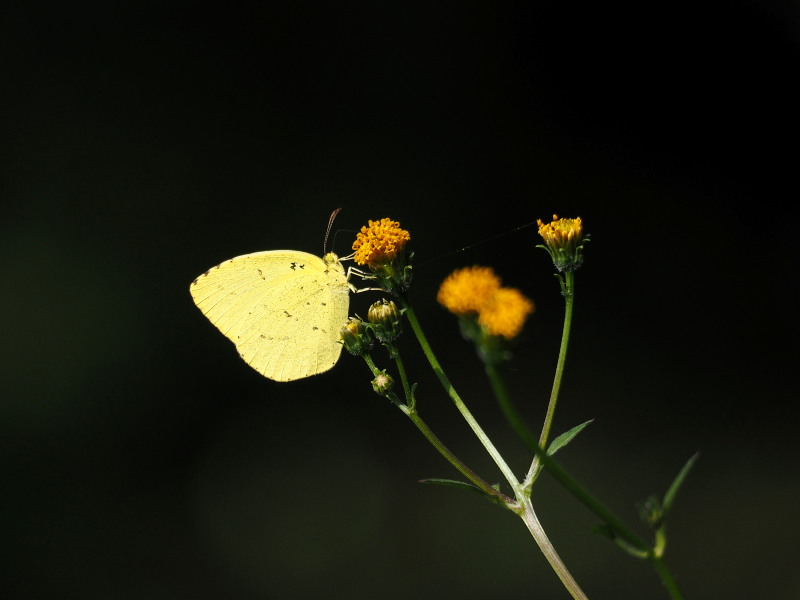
[459, 403]
[440, 447]
[569, 298]
[507, 405]
[535, 527]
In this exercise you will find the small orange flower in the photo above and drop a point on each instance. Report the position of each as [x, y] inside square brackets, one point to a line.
[378, 243]
[561, 231]
[505, 313]
[468, 290]
[475, 293]
[563, 240]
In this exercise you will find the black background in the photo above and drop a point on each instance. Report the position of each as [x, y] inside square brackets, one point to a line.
[143, 142]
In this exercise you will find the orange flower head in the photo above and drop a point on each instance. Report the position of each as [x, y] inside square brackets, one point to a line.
[505, 313]
[563, 240]
[468, 290]
[379, 242]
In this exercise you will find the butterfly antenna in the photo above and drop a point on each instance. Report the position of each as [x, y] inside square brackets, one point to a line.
[328, 231]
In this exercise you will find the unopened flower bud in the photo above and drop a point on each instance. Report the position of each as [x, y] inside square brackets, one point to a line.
[383, 383]
[385, 320]
[355, 337]
[651, 512]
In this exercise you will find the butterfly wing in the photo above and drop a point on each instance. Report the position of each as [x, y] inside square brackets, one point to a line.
[283, 309]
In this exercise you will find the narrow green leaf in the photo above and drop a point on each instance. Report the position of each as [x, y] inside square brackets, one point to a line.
[463, 485]
[453, 483]
[565, 438]
[669, 497]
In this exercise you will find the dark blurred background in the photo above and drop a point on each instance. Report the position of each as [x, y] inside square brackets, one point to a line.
[144, 142]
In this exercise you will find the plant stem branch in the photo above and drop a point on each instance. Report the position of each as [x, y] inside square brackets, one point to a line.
[507, 406]
[535, 527]
[568, 290]
[453, 460]
[401, 369]
[462, 468]
[666, 578]
[462, 408]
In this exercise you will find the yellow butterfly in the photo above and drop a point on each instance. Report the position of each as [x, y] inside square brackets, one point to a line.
[283, 309]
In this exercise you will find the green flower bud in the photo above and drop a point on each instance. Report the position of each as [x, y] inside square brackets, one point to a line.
[355, 337]
[651, 512]
[383, 383]
[385, 320]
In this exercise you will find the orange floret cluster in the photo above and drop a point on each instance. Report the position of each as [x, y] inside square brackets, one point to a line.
[379, 242]
[563, 239]
[476, 290]
[467, 290]
[561, 232]
[505, 313]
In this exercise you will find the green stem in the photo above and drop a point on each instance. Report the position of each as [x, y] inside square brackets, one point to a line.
[568, 290]
[462, 408]
[535, 527]
[590, 502]
[453, 460]
[666, 578]
[407, 391]
[507, 405]
[412, 414]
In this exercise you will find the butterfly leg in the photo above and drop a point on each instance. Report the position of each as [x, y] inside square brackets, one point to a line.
[363, 275]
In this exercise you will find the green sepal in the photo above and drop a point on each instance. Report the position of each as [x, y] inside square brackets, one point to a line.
[565, 438]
